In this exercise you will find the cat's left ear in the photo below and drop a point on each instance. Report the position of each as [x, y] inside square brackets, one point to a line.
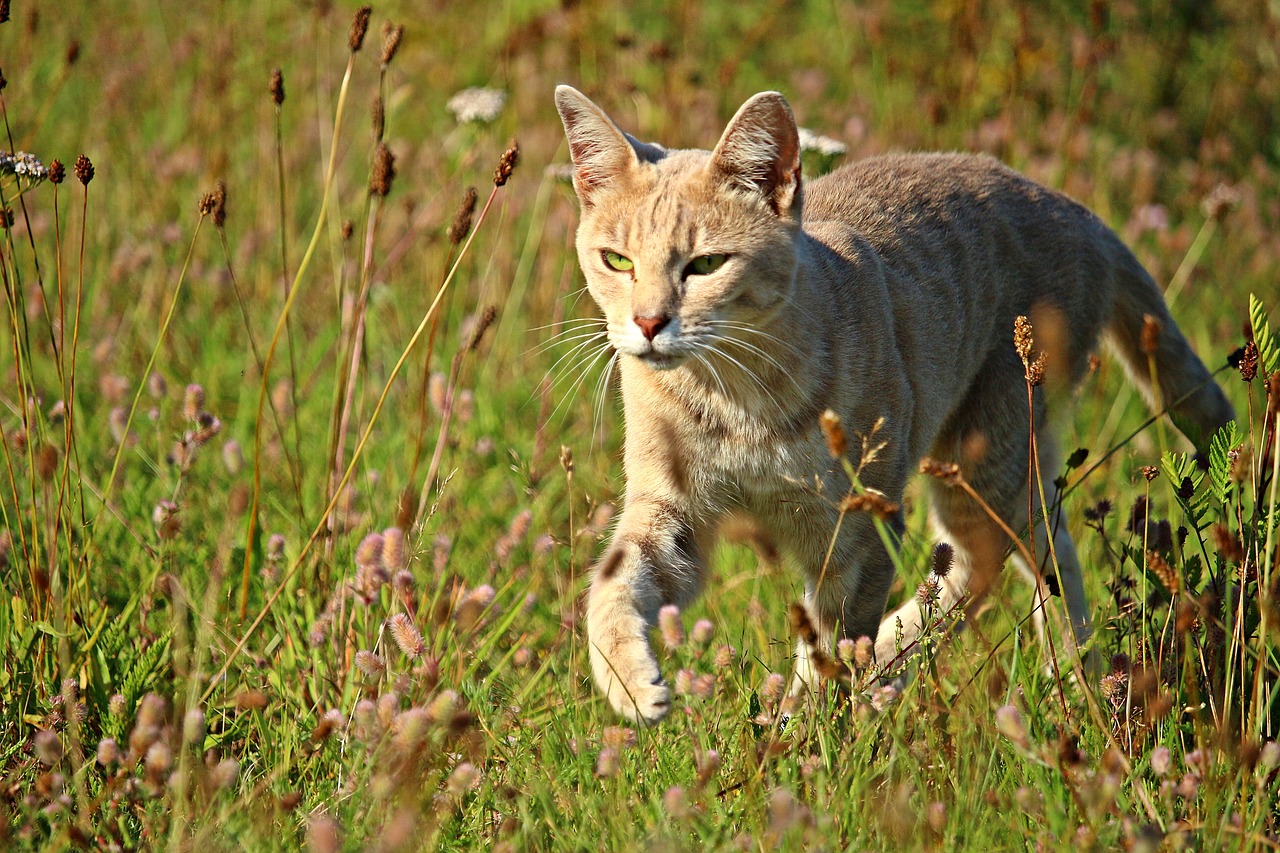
[760, 153]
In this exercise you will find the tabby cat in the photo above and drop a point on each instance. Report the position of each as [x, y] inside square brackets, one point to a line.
[745, 303]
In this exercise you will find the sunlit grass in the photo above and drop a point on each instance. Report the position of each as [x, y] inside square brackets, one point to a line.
[297, 505]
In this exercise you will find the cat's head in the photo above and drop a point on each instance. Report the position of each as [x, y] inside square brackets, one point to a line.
[680, 247]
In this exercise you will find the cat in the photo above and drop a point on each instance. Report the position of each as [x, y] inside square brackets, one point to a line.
[744, 303]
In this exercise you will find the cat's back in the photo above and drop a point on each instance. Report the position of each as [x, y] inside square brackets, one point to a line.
[906, 198]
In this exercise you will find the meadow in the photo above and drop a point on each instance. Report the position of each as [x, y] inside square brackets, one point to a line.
[304, 469]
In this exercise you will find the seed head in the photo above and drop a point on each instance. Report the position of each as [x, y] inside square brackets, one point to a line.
[943, 557]
[927, 592]
[193, 402]
[670, 627]
[391, 36]
[1248, 360]
[1022, 338]
[947, 472]
[348, 228]
[219, 204]
[463, 778]
[461, 226]
[1150, 472]
[57, 172]
[394, 550]
[277, 87]
[370, 664]
[1149, 340]
[108, 751]
[193, 726]
[772, 689]
[870, 501]
[703, 631]
[407, 637]
[477, 335]
[47, 747]
[1161, 760]
[359, 28]
[384, 171]
[724, 655]
[1009, 722]
[845, 649]
[1222, 199]
[507, 164]
[833, 431]
[84, 169]
[378, 118]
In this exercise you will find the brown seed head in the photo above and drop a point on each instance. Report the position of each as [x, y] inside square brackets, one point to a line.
[1248, 359]
[947, 472]
[57, 172]
[220, 204]
[507, 164]
[943, 556]
[833, 431]
[359, 28]
[566, 459]
[1150, 338]
[391, 36]
[482, 326]
[384, 171]
[206, 204]
[1022, 338]
[1035, 370]
[277, 87]
[1150, 472]
[193, 402]
[461, 226]
[378, 118]
[872, 502]
[1167, 574]
[84, 169]
[348, 228]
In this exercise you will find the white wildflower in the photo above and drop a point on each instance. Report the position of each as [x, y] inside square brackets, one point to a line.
[477, 104]
[819, 144]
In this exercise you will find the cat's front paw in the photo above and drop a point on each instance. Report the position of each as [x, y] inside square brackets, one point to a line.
[629, 677]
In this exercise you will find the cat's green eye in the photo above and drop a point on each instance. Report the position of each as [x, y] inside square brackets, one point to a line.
[705, 264]
[616, 262]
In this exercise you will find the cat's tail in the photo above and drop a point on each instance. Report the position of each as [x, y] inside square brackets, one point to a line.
[1152, 347]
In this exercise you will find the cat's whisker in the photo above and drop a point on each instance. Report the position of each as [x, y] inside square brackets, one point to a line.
[584, 341]
[724, 392]
[739, 327]
[577, 365]
[575, 323]
[586, 363]
[766, 392]
[564, 339]
[602, 390]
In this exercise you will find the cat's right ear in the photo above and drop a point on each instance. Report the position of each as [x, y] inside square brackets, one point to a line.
[601, 152]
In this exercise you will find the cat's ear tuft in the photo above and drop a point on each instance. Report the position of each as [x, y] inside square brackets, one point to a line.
[760, 152]
[600, 150]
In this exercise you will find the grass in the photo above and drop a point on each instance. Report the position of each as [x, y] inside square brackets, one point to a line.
[297, 502]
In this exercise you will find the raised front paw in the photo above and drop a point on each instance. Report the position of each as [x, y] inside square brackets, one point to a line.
[628, 675]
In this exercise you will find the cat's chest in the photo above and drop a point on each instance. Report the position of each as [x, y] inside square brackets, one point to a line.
[760, 472]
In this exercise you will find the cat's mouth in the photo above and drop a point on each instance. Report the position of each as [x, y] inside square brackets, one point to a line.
[659, 360]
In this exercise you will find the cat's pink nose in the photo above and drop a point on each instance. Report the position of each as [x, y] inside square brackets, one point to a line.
[650, 326]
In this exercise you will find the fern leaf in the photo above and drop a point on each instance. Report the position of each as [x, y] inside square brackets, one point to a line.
[1224, 440]
[1268, 351]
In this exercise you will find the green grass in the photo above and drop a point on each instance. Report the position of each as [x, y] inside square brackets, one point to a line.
[262, 732]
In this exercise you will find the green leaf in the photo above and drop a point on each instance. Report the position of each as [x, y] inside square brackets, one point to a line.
[1268, 352]
[1224, 440]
